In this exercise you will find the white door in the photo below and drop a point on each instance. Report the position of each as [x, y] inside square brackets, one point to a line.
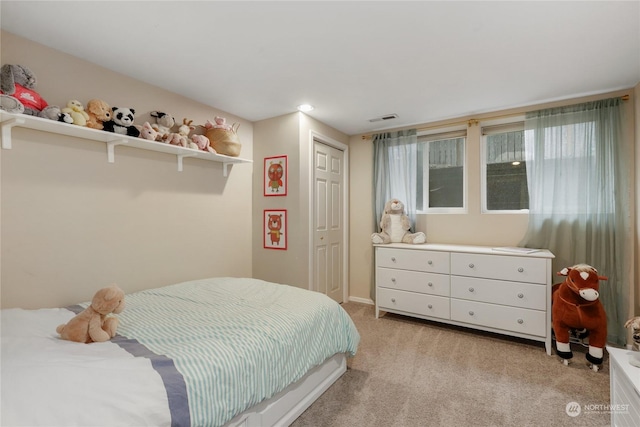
[328, 221]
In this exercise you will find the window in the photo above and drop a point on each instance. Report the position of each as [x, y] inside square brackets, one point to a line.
[441, 172]
[504, 168]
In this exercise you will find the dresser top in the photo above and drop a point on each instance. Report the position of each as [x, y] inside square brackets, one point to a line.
[621, 356]
[493, 250]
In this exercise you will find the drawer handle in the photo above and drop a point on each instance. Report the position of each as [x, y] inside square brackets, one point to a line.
[430, 262]
[520, 321]
[520, 295]
[471, 313]
[393, 279]
[520, 270]
[471, 265]
[393, 259]
[471, 289]
[430, 306]
[430, 284]
[393, 300]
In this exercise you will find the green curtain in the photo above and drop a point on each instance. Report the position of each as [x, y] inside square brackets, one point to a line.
[579, 200]
[395, 159]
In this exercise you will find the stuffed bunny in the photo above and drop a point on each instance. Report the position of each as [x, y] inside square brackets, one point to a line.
[19, 82]
[395, 225]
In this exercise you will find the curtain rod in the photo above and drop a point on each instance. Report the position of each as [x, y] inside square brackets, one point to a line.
[471, 122]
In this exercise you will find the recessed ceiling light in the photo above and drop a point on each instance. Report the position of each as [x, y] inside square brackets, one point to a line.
[305, 107]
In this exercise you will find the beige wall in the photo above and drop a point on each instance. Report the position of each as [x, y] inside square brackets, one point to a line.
[71, 222]
[288, 135]
[473, 227]
[277, 136]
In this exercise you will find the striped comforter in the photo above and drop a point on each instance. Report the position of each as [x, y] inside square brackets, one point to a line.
[236, 341]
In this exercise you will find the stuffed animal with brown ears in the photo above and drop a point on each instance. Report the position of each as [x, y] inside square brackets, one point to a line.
[395, 226]
[94, 324]
[98, 112]
[575, 306]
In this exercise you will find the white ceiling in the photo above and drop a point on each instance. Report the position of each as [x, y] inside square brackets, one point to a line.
[422, 60]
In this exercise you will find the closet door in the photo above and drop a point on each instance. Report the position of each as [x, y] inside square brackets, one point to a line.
[328, 221]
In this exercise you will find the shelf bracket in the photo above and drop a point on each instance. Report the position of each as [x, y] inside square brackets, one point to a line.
[111, 149]
[6, 131]
[225, 168]
[182, 156]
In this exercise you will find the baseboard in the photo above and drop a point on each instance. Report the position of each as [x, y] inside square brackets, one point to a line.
[362, 300]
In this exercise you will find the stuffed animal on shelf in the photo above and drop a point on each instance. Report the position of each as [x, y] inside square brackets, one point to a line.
[98, 112]
[19, 81]
[173, 139]
[184, 130]
[395, 226]
[148, 132]
[76, 110]
[164, 123]
[53, 112]
[575, 306]
[218, 123]
[94, 324]
[203, 143]
[10, 104]
[122, 122]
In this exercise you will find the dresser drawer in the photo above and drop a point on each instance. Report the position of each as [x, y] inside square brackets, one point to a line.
[418, 260]
[414, 281]
[521, 320]
[515, 268]
[515, 294]
[410, 302]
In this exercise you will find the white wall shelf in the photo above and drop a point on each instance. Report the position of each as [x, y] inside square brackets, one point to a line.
[8, 121]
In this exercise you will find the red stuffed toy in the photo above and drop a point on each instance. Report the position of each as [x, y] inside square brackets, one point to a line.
[576, 306]
[20, 82]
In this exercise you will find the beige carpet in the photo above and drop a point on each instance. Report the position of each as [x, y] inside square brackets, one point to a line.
[410, 372]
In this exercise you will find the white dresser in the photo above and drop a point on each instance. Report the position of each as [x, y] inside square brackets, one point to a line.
[473, 286]
[625, 389]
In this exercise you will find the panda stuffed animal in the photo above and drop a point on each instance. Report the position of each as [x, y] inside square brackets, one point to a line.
[122, 122]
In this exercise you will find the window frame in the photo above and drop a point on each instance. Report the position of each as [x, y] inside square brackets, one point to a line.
[510, 125]
[444, 134]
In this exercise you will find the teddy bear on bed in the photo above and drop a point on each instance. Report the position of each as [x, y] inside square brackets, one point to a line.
[94, 324]
[395, 226]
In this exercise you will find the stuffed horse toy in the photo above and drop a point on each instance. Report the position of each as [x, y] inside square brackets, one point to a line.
[575, 305]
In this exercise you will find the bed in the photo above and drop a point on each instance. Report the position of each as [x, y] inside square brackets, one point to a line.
[211, 352]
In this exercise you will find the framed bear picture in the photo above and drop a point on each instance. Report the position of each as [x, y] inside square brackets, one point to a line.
[275, 176]
[274, 235]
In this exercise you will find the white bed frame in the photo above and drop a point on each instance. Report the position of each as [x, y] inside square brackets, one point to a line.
[283, 408]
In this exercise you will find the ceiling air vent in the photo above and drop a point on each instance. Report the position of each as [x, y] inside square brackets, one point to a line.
[385, 117]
